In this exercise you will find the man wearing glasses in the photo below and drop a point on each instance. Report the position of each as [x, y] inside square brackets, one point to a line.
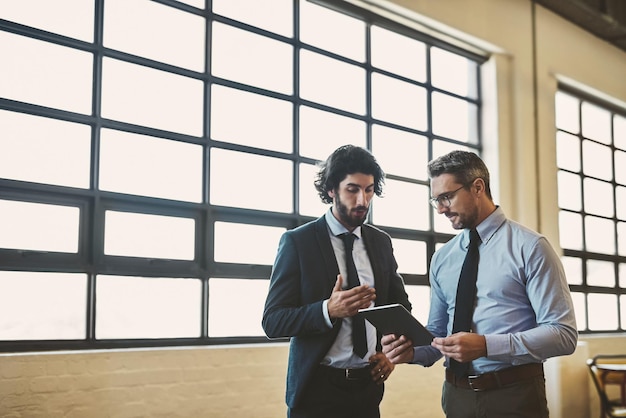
[500, 303]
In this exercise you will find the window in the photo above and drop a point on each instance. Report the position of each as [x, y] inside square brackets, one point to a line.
[591, 160]
[153, 152]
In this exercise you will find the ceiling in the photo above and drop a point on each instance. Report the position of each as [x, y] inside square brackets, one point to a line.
[604, 18]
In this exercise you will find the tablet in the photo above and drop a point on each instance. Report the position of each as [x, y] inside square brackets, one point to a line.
[396, 319]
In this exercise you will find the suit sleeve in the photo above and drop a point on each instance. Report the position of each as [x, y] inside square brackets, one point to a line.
[396, 290]
[294, 304]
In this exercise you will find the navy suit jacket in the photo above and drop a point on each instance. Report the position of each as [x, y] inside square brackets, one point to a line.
[303, 276]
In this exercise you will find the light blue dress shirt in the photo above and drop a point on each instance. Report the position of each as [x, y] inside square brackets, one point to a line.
[523, 305]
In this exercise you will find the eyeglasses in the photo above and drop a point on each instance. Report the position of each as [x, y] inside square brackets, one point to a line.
[445, 199]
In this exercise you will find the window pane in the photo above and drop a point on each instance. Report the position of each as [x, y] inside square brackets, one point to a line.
[148, 166]
[322, 132]
[310, 202]
[597, 160]
[268, 120]
[230, 188]
[251, 59]
[342, 34]
[407, 57]
[622, 303]
[139, 307]
[443, 147]
[44, 150]
[619, 131]
[410, 255]
[620, 167]
[622, 275]
[596, 123]
[143, 96]
[42, 306]
[153, 236]
[453, 72]
[621, 238]
[249, 244]
[567, 112]
[152, 30]
[419, 296]
[569, 191]
[40, 227]
[464, 114]
[567, 151]
[600, 273]
[332, 82]
[196, 3]
[404, 205]
[570, 230]
[226, 297]
[599, 235]
[411, 162]
[598, 197]
[399, 102]
[579, 309]
[573, 269]
[620, 202]
[272, 15]
[45, 74]
[52, 16]
[602, 311]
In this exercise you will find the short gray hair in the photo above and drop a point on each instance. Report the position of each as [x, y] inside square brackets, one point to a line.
[465, 166]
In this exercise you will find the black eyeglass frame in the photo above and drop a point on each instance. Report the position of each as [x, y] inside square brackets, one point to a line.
[445, 199]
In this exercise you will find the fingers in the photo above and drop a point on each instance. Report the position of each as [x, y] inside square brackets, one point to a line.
[388, 339]
[358, 297]
[462, 346]
[363, 296]
[397, 349]
[381, 368]
[338, 283]
[346, 303]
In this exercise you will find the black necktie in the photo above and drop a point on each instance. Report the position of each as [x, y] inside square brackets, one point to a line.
[359, 340]
[465, 296]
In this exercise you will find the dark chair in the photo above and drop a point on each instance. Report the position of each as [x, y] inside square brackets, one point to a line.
[606, 370]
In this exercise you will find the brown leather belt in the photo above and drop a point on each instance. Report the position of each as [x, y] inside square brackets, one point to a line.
[497, 379]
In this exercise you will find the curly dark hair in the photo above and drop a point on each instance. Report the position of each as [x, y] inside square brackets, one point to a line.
[347, 159]
[465, 166]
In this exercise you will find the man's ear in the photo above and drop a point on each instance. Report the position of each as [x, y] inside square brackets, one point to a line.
[331, 193]
[479, 184]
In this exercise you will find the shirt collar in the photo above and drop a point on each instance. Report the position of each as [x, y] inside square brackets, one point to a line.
[336, 228]
[488, 227]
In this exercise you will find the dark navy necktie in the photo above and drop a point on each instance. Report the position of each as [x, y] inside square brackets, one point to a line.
[465, 297]
[359, 339]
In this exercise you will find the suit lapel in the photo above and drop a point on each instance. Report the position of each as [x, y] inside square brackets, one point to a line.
[369, 239]
[326, 248]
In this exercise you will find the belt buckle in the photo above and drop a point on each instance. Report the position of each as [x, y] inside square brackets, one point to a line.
[471, 380]
[349, 375]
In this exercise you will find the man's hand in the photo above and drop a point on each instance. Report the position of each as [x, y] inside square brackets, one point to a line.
[381, 368]
[346, 303]
[397, 349]
[462, 346]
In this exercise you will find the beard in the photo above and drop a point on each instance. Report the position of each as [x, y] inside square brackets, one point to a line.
[346, 217]
[467, 220]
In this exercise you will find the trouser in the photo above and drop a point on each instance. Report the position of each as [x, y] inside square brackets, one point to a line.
[524, 399]
[330, 395]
